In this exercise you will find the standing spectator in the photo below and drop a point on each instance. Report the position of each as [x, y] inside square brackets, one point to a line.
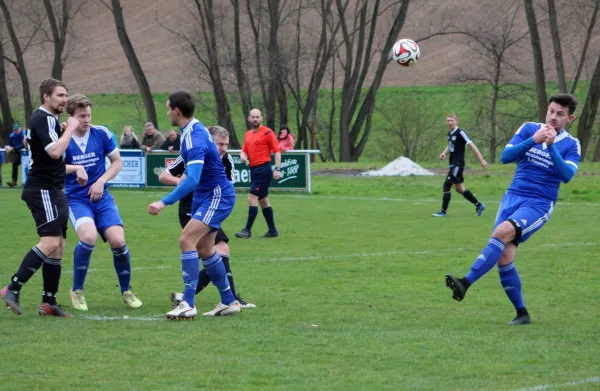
[285, 139]
[173, 143]
[259, 143]
[16, 142]
[153, 139]
[129, 139]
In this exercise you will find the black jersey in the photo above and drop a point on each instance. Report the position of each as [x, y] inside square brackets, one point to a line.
[177, 168]
[457, 140]
[43, 132]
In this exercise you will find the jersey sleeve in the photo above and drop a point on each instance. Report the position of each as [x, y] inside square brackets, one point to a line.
[228, 163]
[273, 143]
[573, 155]
[177, 167]
[198, 146]
[45, 131]
[110, 146]
[463, 134]
[523, 133]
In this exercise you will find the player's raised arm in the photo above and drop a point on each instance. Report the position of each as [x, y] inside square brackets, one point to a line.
[170, 175]
[55, 146]
[565, 167]
[523, 140]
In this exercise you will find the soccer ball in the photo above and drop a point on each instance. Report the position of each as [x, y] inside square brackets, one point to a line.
[406, 52]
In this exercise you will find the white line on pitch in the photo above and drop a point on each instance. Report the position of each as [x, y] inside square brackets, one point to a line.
[575, 383]
[124, 317]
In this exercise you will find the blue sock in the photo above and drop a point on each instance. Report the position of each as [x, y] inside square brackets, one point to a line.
[190, 269]
[122, 264]
[216, 271]
[81, 263]
[252, 213]
[268, 213]
[511, 282]
[486, 260]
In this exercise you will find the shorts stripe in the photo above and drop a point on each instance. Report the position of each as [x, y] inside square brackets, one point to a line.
[540, 221]
[47, 206]
[213, 205]
[456, 171]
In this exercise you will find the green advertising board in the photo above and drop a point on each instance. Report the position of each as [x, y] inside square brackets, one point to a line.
[295, 170]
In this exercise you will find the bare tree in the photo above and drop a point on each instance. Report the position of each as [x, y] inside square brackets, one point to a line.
[241, 76]
[358, 43]
[132, 59]
[586, 43]
[589, 111]
[538, 61]
[4, 101]
[58, 20]
[18, 62]
[558, 56]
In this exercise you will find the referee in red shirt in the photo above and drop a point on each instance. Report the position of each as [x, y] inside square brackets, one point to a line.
[259, 143]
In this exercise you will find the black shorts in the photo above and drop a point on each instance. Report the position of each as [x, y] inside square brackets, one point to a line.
[261, 179]
[50, 210]
[185, 218]
[455, 175]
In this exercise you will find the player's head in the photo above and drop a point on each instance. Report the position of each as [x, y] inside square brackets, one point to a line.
[180, 107]
[149, 128]
[53, 94]
[561, 108]
[451, 121]
[255, 118]
[221, 136]
[80, 107]
[172, 135]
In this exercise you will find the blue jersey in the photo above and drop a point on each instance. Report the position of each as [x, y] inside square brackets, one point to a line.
[88, 151]
[535, 175]
[198, 147]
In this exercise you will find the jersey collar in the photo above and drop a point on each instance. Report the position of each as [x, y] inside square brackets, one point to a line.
[187, 128]
[46, 111]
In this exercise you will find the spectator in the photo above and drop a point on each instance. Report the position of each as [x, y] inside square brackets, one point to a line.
[285, 138]
[153, 139]
[16, 142]
[173, 143]
[129, 139]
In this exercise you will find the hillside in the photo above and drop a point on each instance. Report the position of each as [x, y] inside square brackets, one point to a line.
[96, 62]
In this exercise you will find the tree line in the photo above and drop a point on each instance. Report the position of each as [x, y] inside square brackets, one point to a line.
[262, 53]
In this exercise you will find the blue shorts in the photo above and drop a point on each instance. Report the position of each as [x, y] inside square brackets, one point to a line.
[212, 208]
[529, 213]
[104, 213]
[261, 179]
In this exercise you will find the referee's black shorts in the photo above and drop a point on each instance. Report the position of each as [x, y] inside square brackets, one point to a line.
[260, 177]
[50, 210]
[185, 218]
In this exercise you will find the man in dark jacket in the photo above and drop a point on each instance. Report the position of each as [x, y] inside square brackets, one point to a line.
[16, 143]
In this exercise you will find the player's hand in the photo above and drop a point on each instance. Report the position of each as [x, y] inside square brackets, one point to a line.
[550, 134]
[155, 207]
[443, 156]
[540, 136]
[82, 176]
[244, 157]
[63, 125]
[276, 175]
[72, 123]
[96, 191]
[484, 164]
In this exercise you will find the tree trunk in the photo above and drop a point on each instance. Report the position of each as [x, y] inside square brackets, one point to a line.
[589, 111]
[558, 57]
[4, 102]
[19, 63]
[241, 78]
[538, 61]
[134, 64]
[273, 55]
[586, 43]
[257, 44]
[59, 35]
[596, 157]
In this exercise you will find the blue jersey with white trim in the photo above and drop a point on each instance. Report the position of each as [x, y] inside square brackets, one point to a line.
[88, 151]
[198, 147]
[536, 175]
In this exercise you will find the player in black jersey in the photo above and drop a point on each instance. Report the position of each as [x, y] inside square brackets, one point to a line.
[172, 175]
[44, 197]
[457, 140]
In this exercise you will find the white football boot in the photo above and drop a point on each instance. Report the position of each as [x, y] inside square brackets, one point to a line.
[182, 312]
[225, 310]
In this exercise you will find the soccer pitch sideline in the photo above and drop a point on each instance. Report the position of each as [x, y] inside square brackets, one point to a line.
[351, 296]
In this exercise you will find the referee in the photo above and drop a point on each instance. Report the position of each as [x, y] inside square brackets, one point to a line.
[259, 142]
[44, 197]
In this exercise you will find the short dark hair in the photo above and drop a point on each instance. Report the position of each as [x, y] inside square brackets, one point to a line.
[565, 100]
[77, 101]
[184, 101]
[47, 87]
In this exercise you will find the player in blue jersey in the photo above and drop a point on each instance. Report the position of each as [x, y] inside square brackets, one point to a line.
[546, 155]
[214, 199]
[92, 207]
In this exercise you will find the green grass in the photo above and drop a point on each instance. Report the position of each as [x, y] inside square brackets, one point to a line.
[350, 297]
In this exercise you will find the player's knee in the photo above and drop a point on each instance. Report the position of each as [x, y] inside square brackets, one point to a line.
[446, 187]
[88, 236]
[264, 202]
[459, 189]
[222, 248]
[508, 231]
[116, 242]
[49, 244]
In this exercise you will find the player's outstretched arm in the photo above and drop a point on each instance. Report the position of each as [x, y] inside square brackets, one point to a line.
[194, 172]
[479, 155]
[82, 176]
[56, 150]
[166, 178]
[517, 148]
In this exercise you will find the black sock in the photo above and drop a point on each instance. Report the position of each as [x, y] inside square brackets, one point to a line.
[225, 259]
[51, 273]
[268, 213]
[31, 263]
[522, 312]
[203, 281]
[252, 213]
[469, 196]
[446, 200]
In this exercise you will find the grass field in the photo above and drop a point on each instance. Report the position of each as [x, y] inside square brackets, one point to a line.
[351, 296]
